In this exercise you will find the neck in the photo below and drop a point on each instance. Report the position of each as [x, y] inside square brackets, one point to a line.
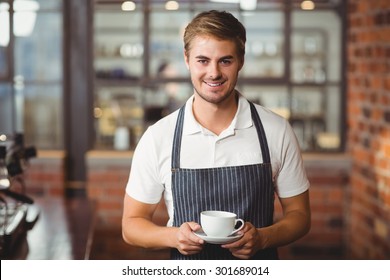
[215, 117]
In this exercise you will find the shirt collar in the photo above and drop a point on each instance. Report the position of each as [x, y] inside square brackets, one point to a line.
[242, 119]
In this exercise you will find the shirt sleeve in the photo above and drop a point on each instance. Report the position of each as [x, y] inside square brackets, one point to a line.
[291, 179]
[144, 184]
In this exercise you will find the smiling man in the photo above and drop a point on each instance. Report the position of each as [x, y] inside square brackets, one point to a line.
[218, 152]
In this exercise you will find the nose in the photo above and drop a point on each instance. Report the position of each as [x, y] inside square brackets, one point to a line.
[214, 71]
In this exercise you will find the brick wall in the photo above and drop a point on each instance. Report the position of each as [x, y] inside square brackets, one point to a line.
[368, 139]
[107, 177]
[45, 174]
[108, 173]
[329, 179]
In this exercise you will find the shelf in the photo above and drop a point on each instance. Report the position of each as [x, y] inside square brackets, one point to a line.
[116, 57]
[309, 56]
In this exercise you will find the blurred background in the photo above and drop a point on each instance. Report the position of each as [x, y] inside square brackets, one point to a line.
[81, 80]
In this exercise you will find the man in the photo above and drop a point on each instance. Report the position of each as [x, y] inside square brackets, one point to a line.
[219, 152]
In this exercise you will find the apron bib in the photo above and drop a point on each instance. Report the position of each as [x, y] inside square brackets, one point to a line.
[246, 190]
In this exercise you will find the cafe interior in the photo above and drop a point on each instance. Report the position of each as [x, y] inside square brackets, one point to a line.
[81, 80]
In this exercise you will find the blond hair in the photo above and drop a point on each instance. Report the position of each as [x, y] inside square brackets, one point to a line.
[220, 24]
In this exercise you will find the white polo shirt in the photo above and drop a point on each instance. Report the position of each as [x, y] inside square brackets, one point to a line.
[150, 174]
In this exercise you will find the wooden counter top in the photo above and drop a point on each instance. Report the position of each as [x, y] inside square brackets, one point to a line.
[63, 231]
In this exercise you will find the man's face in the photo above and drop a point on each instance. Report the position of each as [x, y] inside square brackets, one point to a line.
[214, 66]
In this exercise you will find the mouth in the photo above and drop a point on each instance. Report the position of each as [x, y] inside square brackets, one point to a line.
[214, 84]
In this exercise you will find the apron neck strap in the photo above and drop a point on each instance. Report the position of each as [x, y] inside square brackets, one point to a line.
[260, 133]
[177, 139]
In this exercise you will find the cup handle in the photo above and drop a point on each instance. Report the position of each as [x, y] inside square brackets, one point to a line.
[240, 228]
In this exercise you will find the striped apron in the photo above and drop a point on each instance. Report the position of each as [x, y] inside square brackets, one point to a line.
[246, 190]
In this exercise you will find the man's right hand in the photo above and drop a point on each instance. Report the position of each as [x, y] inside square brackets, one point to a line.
[187, 242]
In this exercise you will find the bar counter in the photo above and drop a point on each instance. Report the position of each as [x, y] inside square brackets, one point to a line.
[63, 231]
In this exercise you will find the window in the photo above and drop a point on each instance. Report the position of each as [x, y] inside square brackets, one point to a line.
[31, 71]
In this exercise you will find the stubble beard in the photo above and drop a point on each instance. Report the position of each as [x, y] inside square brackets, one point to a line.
[212, 100]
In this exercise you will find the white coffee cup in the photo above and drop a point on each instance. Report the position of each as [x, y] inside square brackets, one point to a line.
[219, 223]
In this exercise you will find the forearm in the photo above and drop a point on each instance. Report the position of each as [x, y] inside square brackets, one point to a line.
[294, 224]
[144, 233]
[290, 228]
[138, 229]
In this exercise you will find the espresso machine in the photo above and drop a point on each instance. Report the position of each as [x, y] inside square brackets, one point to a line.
[16, 215]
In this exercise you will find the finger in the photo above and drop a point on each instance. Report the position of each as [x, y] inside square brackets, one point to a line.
[194, 226]
[236, 244]
[242, 253]
[197, 239]
[241, 256]
[190, 249]
[187, 234]
[187, 253]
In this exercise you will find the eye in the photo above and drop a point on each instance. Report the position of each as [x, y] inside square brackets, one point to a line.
[202, 61]
[226, 61]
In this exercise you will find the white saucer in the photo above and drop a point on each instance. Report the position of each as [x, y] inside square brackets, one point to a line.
[217, 240]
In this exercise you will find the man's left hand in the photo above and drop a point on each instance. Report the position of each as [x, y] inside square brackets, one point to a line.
[248, 245]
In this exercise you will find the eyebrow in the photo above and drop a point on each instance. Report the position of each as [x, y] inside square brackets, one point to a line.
[222, 58]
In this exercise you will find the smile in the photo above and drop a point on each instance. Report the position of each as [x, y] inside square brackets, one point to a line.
[214, 84]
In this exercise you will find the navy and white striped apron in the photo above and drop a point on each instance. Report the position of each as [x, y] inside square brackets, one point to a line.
[246, 190]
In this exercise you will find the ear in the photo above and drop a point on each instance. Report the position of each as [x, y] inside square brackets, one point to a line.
[186, 59]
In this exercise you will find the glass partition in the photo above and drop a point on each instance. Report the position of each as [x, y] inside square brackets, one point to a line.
[118, 107]
[275, 98]
[316, 48]
[4, 40]
[316, 74]
[40, 115]
[166, 43]
[6, 109]
[265, 44]
[118, 44]
[38, 53]
[31, 85]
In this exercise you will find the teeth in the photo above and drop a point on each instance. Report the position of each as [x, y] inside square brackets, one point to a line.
[214, 84]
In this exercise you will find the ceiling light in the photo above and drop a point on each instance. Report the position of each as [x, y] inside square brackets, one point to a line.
[172, 5]
[248, 5]
[128, 6]
[244, 4]
[307, 5]
[24, 19]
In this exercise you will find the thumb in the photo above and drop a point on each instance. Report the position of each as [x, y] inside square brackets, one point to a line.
[194, 226]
